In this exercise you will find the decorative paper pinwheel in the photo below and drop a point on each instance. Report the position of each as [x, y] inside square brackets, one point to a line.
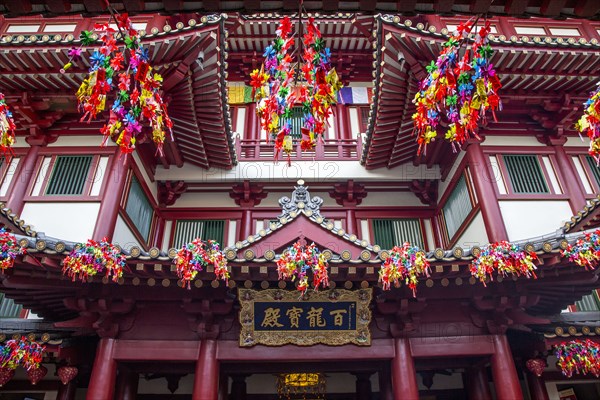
[92, 258]
[504, 258]
[406, 262]
[589, 123]
[458, 90]
[297, 260]
[7, 127]
[22, 352]
[9, 249]
[586, 251]
[578, 356]
[197, 255]
[126, 72]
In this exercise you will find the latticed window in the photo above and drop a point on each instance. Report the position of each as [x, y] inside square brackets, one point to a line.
[594, 168]
[188, 230]
[394, 232]
[591, 302]
[69, 176]
[457, 207]
[525, 174]
[364, 118]
[296, 122]
[8, 308]
[139, 209]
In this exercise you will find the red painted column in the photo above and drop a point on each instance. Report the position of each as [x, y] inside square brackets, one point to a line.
[477, 384]
[246, 228]
[21, 181]
[504, 372]
[486, 194]
[104, 372]
[404, 375]
[206, 380]
[127, 385]
[571, 181]
[238, 388]
[537, 387]
[351, 221]
[66, 392]
[109, 208]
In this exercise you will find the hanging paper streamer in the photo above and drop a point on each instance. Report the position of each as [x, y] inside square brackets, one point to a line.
[277, 86]
[7, 127]
[579, 357]
[586, 251]
[458, 90]
[297, 260]
[505, 259]
[22, 352]
[589, 123]
[9, 249]
[197, 255]
[93, 258]
[406, 262]
[137, 99]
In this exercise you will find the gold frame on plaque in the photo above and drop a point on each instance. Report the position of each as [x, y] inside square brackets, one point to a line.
[360, 336]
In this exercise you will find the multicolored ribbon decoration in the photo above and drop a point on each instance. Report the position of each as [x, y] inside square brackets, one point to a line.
[407, 262]
[93, 258]
[197, 255]
[586, 251]
[589, 123]
[7, 127]
[297, 260]
[137, 100]
[22, 352]
[578, 356]
[459, 89]
[9, 249]
[503, 258]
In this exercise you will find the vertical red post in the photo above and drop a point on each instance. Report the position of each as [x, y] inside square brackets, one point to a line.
[127, 385]
[537, 387]
[206, 380]
[109, 208]
[351, 220]
[104, 372]
[477, 384]
[66, 392]
[22, 180]
[404, 376]
[363, 386]
[246, 228]
[504, 372]
[486, 194]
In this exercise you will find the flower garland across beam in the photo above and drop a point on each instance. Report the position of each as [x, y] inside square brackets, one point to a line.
[589, 123]
[137, 97]
[197, 255]
[297, 260]
[7, 127]
[578, 356]
[458, 90]
[406, 262]
[9, 249]
[586, 251]
[87, 260]
[505, 258]
[22, 352]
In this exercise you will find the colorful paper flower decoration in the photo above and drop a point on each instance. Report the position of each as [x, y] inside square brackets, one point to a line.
[7, 127]
[137, 99]
[92, 258]
[589, 123]
[9, 249]
[505, 259]
[458, 90]
[586, 251]
[297, 260]
[277, 87]
[197, 255]
[22, 352]
[578, 356]
[407, 263]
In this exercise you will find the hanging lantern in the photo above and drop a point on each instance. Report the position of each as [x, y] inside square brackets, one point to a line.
[536, 366]
[67, 373]
[301, 386]
[6, 374]
[36, 374]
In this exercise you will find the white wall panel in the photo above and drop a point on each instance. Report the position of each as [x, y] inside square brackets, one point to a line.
[68, 221]
[528, 219]
[8, 177]
[475, 234]
[123, 235]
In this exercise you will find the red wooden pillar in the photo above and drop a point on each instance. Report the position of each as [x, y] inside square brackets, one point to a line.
[477, 384]
[206, 380]
[537, 387]
[484, 188]
[504, 372]
[238, 388]
[109, 208]
[404, 375]
[66, 392]
[246, 228]
[104, 372]
[21, 181]
[351, 220]
[127, 385]
[363, 386]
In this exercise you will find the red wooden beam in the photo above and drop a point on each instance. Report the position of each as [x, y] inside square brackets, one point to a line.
[407, 6]
[587, 8]
[515, 7]
[59, 6]
[443, 6]
[173, 5]
[552, 8]
[18, 7]
[480, 6]
[331, 5]
[134, 5]
[94, 6]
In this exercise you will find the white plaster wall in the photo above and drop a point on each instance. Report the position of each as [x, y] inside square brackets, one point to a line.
[8, 177]
[204, 200]
[77, 141]
[68, 221]
[511, 141]
[475, 234]
[123, 235]
[577, 141]
[528, 219]
[407, 199]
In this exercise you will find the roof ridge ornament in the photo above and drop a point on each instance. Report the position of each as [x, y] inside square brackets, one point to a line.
[301, 201]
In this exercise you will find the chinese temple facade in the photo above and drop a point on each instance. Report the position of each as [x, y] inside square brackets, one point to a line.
[363, 189]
